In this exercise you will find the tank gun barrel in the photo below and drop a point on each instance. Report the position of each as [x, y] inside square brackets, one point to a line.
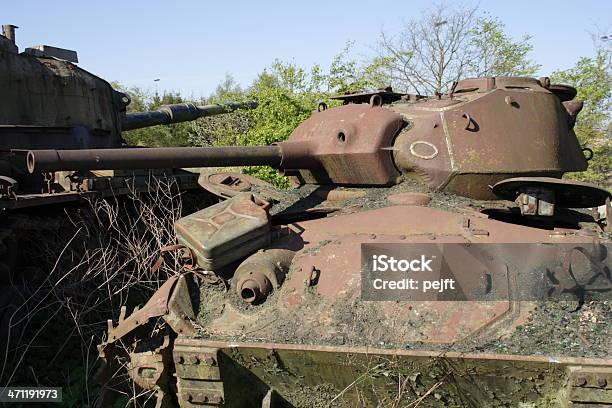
[41, 161]
[181, 112]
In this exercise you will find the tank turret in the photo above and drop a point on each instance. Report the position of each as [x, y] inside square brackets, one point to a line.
[49, 102]
[485, 131]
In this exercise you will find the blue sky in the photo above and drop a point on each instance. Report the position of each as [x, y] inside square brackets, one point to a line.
[191, 45]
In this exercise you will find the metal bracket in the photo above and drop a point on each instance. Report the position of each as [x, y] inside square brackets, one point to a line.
[537, 201]
[8, 186]
[198, 378]
[590, 385]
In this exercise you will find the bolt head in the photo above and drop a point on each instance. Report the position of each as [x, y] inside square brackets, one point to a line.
[210, 360]
[580, 381]
[601, 382]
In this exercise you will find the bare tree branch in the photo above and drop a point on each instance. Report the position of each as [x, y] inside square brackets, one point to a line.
[447, 44]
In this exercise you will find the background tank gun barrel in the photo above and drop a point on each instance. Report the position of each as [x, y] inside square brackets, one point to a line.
[41, 161]
[181, 112]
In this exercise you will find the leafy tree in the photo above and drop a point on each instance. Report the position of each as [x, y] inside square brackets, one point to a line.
[494, 53]
[347, 75]
[222, 130]
[426, 57]
[287, 95]
[227, 91]
[156, 136]
[592, 77]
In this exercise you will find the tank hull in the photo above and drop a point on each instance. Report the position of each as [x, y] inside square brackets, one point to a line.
[317, 342]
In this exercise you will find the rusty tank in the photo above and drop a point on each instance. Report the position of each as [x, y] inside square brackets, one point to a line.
[499, 295]
[51, 103]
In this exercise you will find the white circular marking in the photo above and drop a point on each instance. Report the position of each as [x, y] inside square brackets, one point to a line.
[431, 146]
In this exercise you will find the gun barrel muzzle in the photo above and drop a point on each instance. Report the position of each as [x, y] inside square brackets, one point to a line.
[42, 161]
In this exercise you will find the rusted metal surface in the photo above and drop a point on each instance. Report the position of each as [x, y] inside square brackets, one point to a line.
[370, 375]
[171, 301]
[277, 326]
[573, 108]
[226, 184]
[185, 341]
[338, 266]
[8, 31]
[51, 93]
[180, 314]
[386, 95]
[142, 158]
[331, 252]
[564, 92]
[100, 186]
[487, 135]
[157, 306]
[591, 385]
[225, 232]
[147, 368]
[336, 194]
[198, 376]
[327, 267]
[536, 202]
[565, 193]
[261, 273]
[409, 199]
[177, 113]
[7, 46]
[481, 133]
[50, 103]
[147, 362]
[419, 222]
[347, 144]
[47, 51]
